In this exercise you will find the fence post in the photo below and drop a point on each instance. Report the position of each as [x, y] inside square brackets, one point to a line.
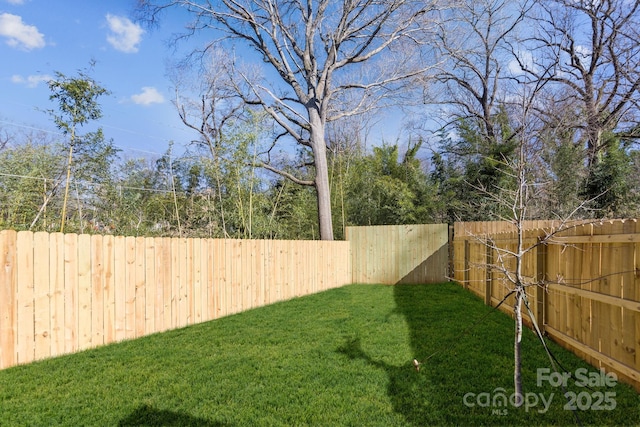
[489, 274]
[540, 289]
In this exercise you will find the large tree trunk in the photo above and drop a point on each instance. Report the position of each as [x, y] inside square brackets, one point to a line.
[323, 189]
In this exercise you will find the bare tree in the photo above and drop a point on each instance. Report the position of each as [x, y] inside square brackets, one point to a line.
[475, 67]
[590, 51]
[520, 202]
[332, 60]
[208, 104]
[5, 138]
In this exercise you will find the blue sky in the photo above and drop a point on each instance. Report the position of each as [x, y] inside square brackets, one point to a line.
[40, 37]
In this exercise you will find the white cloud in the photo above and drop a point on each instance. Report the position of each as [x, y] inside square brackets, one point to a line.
[125, 35]
[148, 96]
[31, 81]
[15, 1]
[18, 34]
[526, 59]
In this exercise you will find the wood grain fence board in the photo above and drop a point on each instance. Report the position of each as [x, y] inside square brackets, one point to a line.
[283, 273]
[300, 281]
[574, 310]
[229, 263]
[109, 289]
[219, 277]
[227, 273]
[71, 293]
[628, 332]
[57, 287]
[130, 290]
[26, 299]
[175, 283]
[140, 302]
[360, 250]
[235, 260]
[615, 266]
[299, 274]
[161, 277]
[83, 321]
[246, 273]
[188, 284]
[584, 277]
[120, 271]
[265, 266]
[204, 271]
[275, 272]
[197, 280]
[150, 286]
[210, 288]
[8, 290]
[42, 294]
[280, 272]
[97, 291]
[167, 290]
[291, 275]
[605, 286]
[595, 271]
[183, 297]
[563, 301]
[210, 301]
[323, 264]
[257, 255]
[336, 274]
[551, 315]
[310, 257]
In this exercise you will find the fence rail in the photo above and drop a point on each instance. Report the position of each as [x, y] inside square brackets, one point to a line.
[60, 293]
[590, 301]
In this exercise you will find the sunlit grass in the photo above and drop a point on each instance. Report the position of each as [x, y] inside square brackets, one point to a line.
[342, 357]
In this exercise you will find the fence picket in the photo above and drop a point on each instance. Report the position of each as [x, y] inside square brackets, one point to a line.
[8, 290]
[71, 278]
[57, 287]
[31, 301]
[42, 295]
[109, 289]
[591, 304]
[83, 321]
[150, 285]
[97, 290]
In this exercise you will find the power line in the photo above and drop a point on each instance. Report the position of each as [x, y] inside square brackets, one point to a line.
[117, 186]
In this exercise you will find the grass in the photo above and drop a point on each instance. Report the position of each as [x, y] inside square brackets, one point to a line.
[342, 357]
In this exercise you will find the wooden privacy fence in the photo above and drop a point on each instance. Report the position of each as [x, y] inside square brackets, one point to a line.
[391, 254]
[60, 293]
[590, 298]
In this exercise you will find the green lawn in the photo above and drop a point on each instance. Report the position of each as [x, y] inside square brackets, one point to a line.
[342, 357]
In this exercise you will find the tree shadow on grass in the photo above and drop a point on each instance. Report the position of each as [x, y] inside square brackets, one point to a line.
[433, 395]
[407, 390]
[416, 395]
[147, 415]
